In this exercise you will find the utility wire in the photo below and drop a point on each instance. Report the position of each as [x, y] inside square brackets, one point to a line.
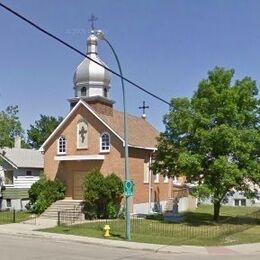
[81, 53]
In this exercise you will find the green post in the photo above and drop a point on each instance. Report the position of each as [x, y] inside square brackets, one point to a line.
[101, 36]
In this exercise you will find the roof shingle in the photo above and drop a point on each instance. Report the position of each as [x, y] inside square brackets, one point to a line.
[140, 132]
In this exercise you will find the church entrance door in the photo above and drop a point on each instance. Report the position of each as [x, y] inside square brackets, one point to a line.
[78, 178]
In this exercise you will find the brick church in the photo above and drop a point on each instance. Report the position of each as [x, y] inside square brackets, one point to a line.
[92, 136]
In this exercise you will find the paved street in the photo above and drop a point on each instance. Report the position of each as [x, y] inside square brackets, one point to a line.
[28, 248]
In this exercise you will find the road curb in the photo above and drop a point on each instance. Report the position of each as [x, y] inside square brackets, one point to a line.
[244, 249]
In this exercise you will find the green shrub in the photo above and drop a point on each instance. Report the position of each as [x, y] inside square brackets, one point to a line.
[102, 195]
[112, 209]
[43, 193]
[115, 187]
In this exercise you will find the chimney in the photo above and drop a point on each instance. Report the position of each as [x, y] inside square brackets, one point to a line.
[17, 142]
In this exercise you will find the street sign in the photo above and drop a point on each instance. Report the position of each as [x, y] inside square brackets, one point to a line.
[128, 188]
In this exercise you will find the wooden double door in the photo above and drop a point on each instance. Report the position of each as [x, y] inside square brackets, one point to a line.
[78, 179]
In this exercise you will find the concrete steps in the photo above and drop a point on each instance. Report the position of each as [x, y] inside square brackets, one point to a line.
[70, 211]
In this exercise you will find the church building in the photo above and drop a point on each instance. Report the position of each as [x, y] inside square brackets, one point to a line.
[92, 136]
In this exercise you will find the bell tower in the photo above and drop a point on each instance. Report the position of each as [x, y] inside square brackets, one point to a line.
[92, 82]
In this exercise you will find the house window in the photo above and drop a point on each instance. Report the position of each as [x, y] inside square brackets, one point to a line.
[9, 177]
[62, 145]
[236, 202]
[82, 135]
[157, 178]
[83, 92]
[28, 173]
[8, 203]
[243, 202]
[146, 172]
[105, 142]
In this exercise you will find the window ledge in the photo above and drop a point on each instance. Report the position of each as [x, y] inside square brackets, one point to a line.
[82, 148]
[108, 151]
[58, 154]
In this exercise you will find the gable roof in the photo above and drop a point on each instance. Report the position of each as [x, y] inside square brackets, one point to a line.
[140, 133]
[22, 158]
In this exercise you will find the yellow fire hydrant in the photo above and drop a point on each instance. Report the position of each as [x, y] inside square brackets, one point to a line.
[106, 229]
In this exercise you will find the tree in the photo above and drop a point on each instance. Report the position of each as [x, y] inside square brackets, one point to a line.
[41, 130]
[102, 195]
[213, 138]
[10, 126]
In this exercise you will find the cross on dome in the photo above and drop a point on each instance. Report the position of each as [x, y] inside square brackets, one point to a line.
[92, 19]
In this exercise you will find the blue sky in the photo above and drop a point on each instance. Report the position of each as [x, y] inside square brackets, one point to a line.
[166, 46]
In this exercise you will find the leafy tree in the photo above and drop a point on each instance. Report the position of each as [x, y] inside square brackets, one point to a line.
[10, 126]
[41, 130]
[102, 195]
[214, 138]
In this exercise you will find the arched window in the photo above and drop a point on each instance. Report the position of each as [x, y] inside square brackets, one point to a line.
[62, 143]
[82, 135]
[83, 92]
[105, 92]
[105, 142]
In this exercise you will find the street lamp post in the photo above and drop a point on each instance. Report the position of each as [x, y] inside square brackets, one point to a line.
[101, 36]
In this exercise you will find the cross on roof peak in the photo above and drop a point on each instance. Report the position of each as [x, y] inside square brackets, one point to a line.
[143, 107]
[92, 19]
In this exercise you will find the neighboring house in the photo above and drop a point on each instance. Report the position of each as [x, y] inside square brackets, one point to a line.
[237, 198]
[22, 167]
[91, 136]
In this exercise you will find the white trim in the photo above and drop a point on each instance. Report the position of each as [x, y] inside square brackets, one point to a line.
[41, 149]
[157, 178]
[79, 157]
[9, 161]
[100, 142]
[58, 145]
[142, 147]
[146, 175]
[166, 179]
[67, 118]
[150, 185]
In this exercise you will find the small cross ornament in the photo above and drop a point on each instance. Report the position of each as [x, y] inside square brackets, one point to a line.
[92, 19]
[143, 107]
[82, 133]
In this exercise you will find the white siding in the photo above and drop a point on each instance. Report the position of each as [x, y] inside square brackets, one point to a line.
[21, 180]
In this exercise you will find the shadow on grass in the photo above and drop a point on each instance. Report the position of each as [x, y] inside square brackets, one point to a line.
[206, 219]
[117, 236]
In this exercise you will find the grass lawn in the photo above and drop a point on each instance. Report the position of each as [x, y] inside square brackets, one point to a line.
[197, 228]
[7, 217]
[251, 235]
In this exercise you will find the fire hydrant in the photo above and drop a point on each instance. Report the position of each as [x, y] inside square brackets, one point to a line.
[106, 229]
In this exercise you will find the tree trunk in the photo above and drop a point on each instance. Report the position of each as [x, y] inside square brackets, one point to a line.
[217, 206]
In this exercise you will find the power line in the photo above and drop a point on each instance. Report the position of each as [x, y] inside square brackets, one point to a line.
[81, 53]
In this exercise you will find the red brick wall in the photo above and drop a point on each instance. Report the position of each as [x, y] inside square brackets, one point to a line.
[113, 162]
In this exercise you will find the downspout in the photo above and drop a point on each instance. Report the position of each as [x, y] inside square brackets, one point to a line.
[150, 184]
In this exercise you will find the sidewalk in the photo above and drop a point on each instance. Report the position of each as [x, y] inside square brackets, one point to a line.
[29, 228]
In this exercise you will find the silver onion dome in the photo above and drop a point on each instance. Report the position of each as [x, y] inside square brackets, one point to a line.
[88, 73]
